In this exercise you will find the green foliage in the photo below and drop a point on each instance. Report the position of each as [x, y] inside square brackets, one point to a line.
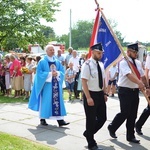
[63, 39]
[20, 21]
[48, 32]
[9, 142]
[21, 25]
[148, 49]
[81, 34]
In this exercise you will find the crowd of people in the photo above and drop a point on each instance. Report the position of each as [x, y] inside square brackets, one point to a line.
[17, 73]
[42, 82]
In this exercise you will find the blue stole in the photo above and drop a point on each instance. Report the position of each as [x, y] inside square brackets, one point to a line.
[55, 94]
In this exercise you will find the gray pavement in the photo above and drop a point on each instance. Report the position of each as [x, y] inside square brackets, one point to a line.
[17, 119]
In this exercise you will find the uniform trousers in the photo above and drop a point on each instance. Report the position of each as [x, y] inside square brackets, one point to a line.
[144, 116]
[95, 116]
[129, 101]
[76, 93]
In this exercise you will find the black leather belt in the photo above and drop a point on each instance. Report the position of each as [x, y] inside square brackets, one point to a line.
[128, 89]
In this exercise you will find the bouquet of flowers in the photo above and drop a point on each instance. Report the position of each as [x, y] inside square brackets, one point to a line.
[24, 70]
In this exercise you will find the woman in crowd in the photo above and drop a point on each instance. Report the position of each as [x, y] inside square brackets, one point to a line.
[28, 77]
[79, 87]
[2, 78]
[7, 75]
[38, 58]
[16, 76]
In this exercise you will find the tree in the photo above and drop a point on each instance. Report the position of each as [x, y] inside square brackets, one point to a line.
[20, 21]
[63, 39]
[48, 32]
[81, 34]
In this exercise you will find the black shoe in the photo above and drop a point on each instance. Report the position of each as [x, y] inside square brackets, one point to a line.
[77, 97]
[84, 134]
[112, 95]
[62, 123]
[95, 148]
[112, 134]
[138, 130]
[43, 122]
[69, 98]
[133, 140]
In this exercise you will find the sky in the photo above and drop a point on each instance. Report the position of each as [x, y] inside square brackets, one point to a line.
[132, 16]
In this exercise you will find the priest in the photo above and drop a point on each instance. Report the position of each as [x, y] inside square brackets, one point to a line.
[47, 93]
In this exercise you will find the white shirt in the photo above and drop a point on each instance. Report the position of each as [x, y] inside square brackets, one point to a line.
[60, 58]
[113, 71]
[89, 71]
[68, 58]
[124, 69]
[147, 64]
[75, 61]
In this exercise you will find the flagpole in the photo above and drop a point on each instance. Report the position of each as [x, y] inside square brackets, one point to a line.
[70, 29]
[119, 45]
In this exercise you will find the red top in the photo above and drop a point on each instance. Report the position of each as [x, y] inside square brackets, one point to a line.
[15, 63]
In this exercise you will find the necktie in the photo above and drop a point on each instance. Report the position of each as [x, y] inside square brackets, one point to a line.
[135, 69]
[134, 63]
[99, 75]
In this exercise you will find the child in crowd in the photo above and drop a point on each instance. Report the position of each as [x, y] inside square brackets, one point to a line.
[33, 75]
[7, 76]
[79, 86]
[2, 78]
[113, 73]
[70, 79]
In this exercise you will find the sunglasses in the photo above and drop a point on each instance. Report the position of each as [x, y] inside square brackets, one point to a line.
[135, 52]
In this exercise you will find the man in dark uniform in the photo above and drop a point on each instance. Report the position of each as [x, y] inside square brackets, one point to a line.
[128, 93]
[93, 82]
[146, 112]
[144, 116]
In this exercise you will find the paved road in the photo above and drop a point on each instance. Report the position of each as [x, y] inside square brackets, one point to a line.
[17, 119]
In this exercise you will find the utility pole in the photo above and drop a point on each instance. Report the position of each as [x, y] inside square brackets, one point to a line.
[70, 31]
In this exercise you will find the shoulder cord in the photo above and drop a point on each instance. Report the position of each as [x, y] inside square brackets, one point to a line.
[87, 63]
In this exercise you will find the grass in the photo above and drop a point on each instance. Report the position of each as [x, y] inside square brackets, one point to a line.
[4, 99]
[11, 100]
[10, 142]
